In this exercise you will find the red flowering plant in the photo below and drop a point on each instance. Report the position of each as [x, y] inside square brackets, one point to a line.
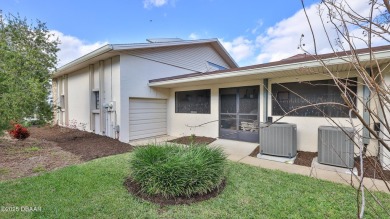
[19, 132]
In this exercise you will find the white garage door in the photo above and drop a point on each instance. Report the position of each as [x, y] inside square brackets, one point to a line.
[148, 118]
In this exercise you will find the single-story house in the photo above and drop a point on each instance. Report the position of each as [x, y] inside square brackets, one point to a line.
[182, 87]
[107, 91]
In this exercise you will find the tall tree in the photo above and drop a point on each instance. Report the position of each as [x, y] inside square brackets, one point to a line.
[27, 57]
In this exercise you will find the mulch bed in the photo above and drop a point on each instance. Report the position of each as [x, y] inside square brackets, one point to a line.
[49, 148]
[305, 158]
[87, 145]
[198, 140]
[372, 168]
[135, 189]
[255, 152]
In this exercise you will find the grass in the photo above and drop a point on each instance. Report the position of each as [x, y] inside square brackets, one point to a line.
[172, 170]
[4, 171]
[95, 190]
[32, 149]
[39, 169]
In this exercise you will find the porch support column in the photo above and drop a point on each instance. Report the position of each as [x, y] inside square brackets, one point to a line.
[265, 99]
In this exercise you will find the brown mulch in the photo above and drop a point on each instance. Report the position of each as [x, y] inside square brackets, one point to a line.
[255, 152]
[49, 148]
[84, 144]
[198, 140]
[305, 158]
[372, 168]
[31, 157]
[135, 189]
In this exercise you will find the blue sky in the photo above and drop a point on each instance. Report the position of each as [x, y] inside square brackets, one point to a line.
[252, 31]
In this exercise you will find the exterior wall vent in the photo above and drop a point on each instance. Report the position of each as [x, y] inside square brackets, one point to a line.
[278, 139]
[335, 147]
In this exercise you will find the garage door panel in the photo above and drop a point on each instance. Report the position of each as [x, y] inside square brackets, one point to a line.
[137, 122]
[151, 104]
[148, 126]
[148, 135]
[148, 110]
[147, 118]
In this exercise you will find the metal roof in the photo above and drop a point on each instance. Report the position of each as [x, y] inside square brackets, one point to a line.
[299, 65]
[111, 50]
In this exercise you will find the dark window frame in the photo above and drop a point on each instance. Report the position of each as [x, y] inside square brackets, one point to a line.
[179, 96]
[280, 106]
[96, 99]
[62, 101]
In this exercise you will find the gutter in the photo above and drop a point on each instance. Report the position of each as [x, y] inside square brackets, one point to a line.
[91, 55]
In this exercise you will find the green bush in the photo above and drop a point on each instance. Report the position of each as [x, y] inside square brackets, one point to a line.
[171, 170]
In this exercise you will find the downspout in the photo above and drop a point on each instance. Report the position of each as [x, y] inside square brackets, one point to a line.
[66, 100]
[91, 101]
[102, 98]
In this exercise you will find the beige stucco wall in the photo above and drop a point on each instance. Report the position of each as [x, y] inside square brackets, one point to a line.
[307, 127]
[78, 98]
[385, 154]
[182, 124]
[179, 124]
[79, 94]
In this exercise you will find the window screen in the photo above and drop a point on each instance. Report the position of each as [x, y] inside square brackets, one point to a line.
[196, 101]
[290, 96]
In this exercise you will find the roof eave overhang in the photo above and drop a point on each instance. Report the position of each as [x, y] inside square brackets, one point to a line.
[69, 67]
[114, 49]
[264, 72]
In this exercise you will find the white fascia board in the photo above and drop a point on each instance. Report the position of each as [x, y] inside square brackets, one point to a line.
[261, 70]
[82, 59]
[118, 47]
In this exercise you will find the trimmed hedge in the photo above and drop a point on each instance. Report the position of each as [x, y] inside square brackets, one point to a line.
[172, 170]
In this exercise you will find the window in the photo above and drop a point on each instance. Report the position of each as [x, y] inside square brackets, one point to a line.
[290, 96]
[62, 101]
[196, 101]
[215, 66]
[96, 99]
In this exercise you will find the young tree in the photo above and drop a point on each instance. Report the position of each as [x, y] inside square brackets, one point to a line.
[347, 29]
[27, 57]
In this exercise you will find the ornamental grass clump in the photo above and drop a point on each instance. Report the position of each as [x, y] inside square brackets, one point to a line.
[175, 171]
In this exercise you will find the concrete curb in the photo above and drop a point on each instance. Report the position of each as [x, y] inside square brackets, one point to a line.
[342, 178]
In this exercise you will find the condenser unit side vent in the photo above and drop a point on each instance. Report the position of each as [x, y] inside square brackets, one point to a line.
[335, 146]
[278, 139]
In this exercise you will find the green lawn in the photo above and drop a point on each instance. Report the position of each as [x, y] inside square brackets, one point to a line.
[95, 190]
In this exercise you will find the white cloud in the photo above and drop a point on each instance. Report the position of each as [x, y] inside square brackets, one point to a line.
[240, 48]
[282, 40]
[71, 47]
[259, 24]
[193, 36]
[154, 3]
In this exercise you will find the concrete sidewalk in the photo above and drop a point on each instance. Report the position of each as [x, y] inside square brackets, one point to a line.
[343, 178]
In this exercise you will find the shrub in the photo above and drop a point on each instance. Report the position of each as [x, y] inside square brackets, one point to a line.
[171, 170]
[19, 132]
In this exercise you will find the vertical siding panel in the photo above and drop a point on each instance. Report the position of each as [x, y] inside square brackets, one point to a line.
[192, 57]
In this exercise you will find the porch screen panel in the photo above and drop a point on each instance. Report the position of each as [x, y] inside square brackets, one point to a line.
[196, 101]
[296, 98]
